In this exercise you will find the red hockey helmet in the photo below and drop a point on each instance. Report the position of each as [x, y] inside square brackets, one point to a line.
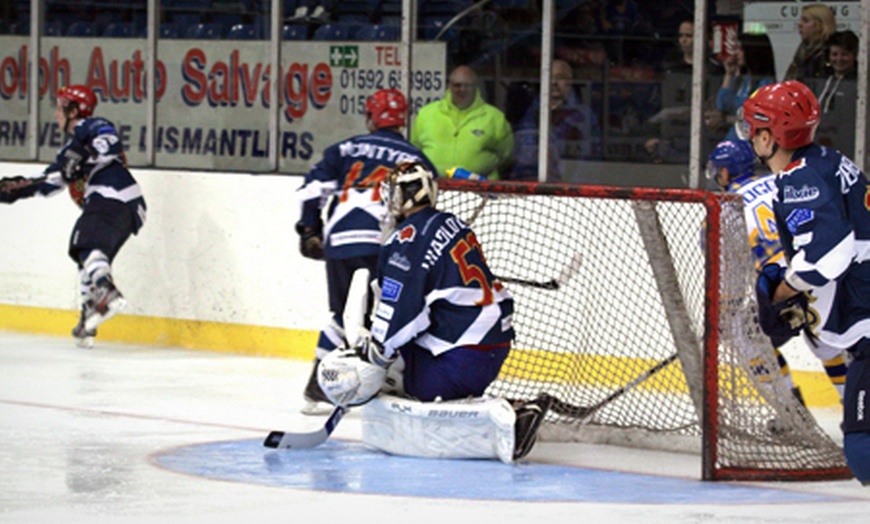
[83, 97]
[789, 109]
[387, 108]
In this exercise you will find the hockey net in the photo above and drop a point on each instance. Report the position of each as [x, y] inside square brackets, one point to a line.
[635, 309]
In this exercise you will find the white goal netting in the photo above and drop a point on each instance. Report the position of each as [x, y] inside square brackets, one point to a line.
[635, 308]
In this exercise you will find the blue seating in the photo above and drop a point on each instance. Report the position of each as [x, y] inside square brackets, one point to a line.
[119, 30]
[204, 32]
[53, 29]
[441, 7]
[169, 31]
[355, 11]
[185, 19]
[295, 32]
[82, 29]
[379, 32]
[432, 25]
[337, 32]
[242, 32]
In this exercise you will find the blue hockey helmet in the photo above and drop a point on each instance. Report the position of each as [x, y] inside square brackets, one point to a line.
[735, 155]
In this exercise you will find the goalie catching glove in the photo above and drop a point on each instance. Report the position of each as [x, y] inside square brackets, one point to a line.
[782, 320]
[311, 240]
[353, 376]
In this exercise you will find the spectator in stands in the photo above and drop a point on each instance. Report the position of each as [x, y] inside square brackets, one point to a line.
[461, 130]
[750, 67]
[672, 145]
[843, 59]
[816, 25]
[838, 93]
[574, 129]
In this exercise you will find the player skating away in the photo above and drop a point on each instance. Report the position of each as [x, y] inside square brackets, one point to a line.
[92, 166]
[442, 325]
[822, 212]
[732, 166]
[344, 185]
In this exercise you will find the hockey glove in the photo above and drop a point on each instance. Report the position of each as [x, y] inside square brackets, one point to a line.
[15, 187]
[371, 351]
[311, 240]
[783, 320]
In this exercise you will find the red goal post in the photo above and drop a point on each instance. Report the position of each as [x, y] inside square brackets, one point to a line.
[635, 308]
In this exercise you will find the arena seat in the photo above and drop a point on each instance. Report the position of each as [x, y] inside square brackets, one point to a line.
[335, 31]
[82, 29]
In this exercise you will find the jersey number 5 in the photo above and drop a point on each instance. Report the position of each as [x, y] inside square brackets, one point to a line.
[471, 272]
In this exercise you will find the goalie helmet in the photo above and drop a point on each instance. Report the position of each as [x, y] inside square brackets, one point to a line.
[80, 95]
[735, 155]
[789, 110]
[409, 184]
[387, 108]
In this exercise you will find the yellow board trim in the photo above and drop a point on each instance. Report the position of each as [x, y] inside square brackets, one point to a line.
[299, 344]
[192, 334]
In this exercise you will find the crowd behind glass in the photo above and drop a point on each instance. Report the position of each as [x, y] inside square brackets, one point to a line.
[627, 57]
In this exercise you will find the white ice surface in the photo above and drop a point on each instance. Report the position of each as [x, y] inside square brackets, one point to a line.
[79, 430]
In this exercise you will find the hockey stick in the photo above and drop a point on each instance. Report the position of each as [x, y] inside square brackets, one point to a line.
[282, 440]
[583, 412]
[565, 275]
[550, 284]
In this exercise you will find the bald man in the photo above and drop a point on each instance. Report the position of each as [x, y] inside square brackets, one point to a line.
[574, 131]
[461, 130]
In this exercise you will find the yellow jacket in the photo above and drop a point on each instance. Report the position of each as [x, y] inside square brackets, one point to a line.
[478, 138]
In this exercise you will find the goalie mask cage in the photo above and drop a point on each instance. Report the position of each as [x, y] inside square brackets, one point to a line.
[635, 308]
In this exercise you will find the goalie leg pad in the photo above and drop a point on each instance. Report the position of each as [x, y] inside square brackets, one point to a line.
[476, 428]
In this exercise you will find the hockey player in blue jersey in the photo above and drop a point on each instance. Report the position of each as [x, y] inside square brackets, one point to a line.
[345, 183]
[442, 318]
[822, 211]
[92, 166]
[732, 166]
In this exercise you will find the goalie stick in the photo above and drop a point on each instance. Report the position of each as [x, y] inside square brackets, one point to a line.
[584, 412]
[565, 276]
[282, 440]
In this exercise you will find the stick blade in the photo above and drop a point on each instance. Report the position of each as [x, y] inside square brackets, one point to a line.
[273, 439]
[282, 440]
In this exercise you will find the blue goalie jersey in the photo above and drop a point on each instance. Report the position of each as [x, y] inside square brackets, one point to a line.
[823, 216]
[437, 290]
[347, 182]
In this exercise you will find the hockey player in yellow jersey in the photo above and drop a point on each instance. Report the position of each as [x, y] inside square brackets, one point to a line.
[732, 166]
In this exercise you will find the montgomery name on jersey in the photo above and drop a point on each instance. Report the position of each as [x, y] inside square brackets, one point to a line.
[825, 229]
[346, 182]
[437, 291]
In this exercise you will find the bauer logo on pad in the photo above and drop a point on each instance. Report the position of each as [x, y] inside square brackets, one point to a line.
[391, 289]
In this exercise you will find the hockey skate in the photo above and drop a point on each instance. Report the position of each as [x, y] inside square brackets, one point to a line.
[779, 424]
[84, 337]
[316, 402]
[530, 414]
[107, 302]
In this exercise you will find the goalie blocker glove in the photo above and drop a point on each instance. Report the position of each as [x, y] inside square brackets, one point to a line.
[311, 240]
[782, 320]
